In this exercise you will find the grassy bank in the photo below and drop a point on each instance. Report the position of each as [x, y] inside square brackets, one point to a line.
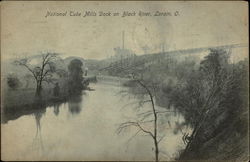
[22, 97]
[23, 101]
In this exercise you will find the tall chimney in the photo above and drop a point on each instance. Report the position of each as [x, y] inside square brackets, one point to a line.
[123, 39]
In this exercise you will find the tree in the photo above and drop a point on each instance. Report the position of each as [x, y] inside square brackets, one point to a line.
[13, 82]
[199, 97]
[42, 73]
[75, 77]
[146, 88]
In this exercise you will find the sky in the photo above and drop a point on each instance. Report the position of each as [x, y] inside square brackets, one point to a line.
[25, 30]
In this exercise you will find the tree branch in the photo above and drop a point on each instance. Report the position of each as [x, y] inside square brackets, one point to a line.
[161, 138]
[136, 124]
[25, 65]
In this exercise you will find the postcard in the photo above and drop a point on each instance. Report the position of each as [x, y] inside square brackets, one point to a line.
[124, 81]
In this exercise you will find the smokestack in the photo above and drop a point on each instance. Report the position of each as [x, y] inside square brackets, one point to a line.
[123, 39]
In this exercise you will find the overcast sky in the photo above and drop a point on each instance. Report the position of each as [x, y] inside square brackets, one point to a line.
[26, 30]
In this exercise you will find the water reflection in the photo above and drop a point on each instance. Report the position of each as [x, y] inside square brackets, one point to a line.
[75, 105]
[56, 109]
[47, 131]
[37, 144]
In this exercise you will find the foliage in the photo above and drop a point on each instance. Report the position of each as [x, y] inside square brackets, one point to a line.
[210, 96]
[43, 72]
[75, 82]
[13, 82]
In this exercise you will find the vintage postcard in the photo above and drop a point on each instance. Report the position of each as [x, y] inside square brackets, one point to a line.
[124, 81]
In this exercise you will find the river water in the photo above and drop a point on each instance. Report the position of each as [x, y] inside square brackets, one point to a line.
[85, 128]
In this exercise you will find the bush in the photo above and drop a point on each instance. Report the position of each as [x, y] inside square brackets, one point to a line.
[13, 82]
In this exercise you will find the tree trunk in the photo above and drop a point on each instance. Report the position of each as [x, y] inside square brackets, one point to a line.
[155, 128]
[155, 121]
[38, 89]
[156, 150]
[38, 92]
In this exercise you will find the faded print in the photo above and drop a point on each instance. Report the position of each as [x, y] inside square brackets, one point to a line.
[151, 81]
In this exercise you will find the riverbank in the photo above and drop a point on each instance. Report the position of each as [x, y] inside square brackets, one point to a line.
[15, 103]
[223, 135]
[228, 142]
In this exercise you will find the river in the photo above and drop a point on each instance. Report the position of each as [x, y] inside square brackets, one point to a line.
[85, 128]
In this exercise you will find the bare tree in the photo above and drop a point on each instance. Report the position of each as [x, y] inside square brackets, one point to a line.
[42, 73]
[146, 88]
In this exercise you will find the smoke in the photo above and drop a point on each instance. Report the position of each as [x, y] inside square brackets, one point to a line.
[153, 34]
